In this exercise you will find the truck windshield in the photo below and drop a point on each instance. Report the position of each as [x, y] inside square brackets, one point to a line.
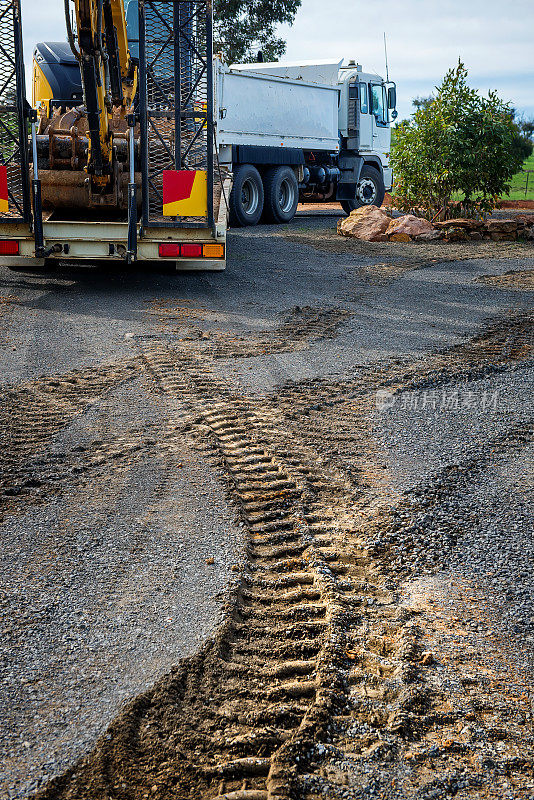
[378, 106]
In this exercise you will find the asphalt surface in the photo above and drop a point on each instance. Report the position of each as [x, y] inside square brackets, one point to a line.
[121, 568]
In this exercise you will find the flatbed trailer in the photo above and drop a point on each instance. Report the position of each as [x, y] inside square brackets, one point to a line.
[88, 241]
[175, 210]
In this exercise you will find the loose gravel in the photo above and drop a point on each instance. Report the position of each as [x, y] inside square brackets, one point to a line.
[481, 527]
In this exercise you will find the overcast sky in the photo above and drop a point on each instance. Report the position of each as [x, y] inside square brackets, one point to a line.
[495, 40]
[425, 38]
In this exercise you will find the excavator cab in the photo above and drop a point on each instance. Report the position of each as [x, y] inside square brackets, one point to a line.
[56, 78]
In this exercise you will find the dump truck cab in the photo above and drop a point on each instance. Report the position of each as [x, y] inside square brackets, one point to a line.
[367, 107]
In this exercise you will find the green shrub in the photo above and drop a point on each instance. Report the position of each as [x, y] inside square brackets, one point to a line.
[458, 143]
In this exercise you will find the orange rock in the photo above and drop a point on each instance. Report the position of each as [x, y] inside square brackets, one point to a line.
[409, 225]
[400, 237]
[368, 223]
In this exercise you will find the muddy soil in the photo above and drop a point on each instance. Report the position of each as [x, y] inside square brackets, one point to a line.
[322, 672]
[515, 279]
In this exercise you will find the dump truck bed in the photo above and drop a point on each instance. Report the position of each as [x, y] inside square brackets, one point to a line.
[263, 109]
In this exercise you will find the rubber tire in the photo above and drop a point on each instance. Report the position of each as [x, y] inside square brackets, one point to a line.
[239, 217]
[272, 183]
[371, 173]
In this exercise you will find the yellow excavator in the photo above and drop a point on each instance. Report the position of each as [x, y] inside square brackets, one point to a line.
[120, 162]
[85, 141]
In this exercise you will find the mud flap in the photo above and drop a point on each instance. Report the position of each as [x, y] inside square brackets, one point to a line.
[350, 166]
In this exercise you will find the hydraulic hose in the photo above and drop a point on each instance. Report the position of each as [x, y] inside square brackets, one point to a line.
[99, 7]
[70, 35]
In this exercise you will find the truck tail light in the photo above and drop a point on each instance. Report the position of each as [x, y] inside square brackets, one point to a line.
[9, 247]
[191, 250]
[213, 250]
[169, 250]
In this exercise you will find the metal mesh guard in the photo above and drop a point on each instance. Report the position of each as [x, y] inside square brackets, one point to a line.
[178, 88]
[10, 152]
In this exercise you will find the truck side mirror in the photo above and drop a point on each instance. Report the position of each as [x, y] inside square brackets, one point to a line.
[392, 97]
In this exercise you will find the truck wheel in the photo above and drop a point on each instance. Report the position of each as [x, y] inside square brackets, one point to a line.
[370, 190]
[281, 194]
[246, 197]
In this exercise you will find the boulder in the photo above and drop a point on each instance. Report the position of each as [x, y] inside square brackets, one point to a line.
[429, 236]
[526, 220]
[410, 226]
[525, 225]
[455, 234]
[503, 236]
[500, 226]
[462, 223]
[368, 223]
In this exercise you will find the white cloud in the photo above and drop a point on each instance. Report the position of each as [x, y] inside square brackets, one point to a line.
[494, 39]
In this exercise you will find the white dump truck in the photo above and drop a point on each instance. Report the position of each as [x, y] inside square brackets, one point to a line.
[302, 131]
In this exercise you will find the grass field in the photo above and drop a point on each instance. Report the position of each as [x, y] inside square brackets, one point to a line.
[519, 182]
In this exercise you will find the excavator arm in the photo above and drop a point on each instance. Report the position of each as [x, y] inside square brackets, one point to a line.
[109, 78]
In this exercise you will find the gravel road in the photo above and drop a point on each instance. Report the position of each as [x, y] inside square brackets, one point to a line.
[121, 535]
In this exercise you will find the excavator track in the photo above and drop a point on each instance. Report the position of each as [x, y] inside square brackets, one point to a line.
[291, 624]
[292, 603]
[319, 670]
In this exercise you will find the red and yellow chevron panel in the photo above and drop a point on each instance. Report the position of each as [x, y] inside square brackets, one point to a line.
[4, 199]
[185, 193]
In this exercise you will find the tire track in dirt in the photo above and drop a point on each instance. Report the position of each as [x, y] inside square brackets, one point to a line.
[319, 669]
[298, 598]
[31, 415]
[301, 326]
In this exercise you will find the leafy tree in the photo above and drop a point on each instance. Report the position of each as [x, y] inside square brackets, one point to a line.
[422, 102]
[417, 102]
[242, 27]
[460, 143]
